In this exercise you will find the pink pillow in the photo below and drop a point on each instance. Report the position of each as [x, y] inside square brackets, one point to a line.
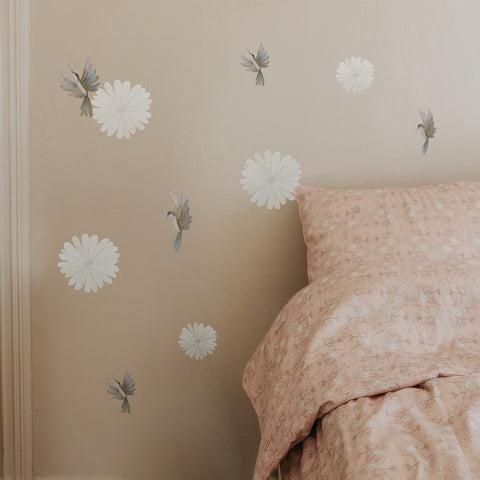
[354, 229]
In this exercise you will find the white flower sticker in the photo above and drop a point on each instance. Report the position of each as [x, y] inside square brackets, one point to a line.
[198, 340]
[355, 74]
[89, 263]
[271, 178]
[121, 109]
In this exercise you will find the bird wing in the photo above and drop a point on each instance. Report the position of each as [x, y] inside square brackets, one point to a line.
[425, 146]
[262, 56]
[114, 392]
[429, 126]
[248, 63]
[185, 219]
[259, 79]
[90, 76]
[424, 117]
[70, 86]
[128, 385]
[126, 406]
[174, 199]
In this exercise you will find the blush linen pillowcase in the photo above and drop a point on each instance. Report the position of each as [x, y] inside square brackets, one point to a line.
[353, 229]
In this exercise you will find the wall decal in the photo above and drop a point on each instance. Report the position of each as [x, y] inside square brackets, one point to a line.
[181, 218]
[122, 391]
[121, 109]
[427, 127]
[80, 86]
[255, 63]
[198, 340]
[355, 74]
[271, 179]
[88, 263]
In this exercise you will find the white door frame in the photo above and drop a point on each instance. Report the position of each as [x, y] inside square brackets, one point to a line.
[15, 346]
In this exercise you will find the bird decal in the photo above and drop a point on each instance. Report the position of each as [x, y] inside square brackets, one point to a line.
[122, 391]
[181, 218]
[427, 128]
[80, 86]
[256, 63]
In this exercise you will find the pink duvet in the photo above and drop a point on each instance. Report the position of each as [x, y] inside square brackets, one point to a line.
[373, 374]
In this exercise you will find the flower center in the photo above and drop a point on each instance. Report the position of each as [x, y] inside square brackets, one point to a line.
[271, 179]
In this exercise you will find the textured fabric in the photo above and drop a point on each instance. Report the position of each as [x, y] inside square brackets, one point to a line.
[358, 333]
[350, 229]
[427, 432]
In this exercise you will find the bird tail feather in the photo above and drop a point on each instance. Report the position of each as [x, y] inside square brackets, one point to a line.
[178, 241]
[86, 107]
[259, 80]
[425, 146]
[125, 406]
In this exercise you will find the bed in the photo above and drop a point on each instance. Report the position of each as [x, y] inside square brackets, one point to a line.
[372, 371]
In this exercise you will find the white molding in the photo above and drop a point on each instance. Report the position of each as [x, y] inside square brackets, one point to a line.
[15, 345]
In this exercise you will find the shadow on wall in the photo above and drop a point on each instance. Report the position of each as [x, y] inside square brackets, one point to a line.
[274, 244]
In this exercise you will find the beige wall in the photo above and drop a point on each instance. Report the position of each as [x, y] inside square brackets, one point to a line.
[239, 264]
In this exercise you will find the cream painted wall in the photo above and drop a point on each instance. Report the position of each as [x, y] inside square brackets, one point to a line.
[238, 264]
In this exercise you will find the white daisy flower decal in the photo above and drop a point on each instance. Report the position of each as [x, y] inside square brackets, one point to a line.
[121, 109]
[198, 340]
[355, 74]
[89, 263]
[271, 179]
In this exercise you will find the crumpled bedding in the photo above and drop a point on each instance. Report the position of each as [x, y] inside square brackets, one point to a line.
[430, 431]
[373, 373]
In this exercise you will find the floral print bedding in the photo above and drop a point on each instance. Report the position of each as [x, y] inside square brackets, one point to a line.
[373, 373]
[430, 431]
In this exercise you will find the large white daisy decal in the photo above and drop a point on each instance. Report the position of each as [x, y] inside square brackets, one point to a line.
[89, 263]
[271, 178]
[198, 340]
[121, 109]
[355, 74]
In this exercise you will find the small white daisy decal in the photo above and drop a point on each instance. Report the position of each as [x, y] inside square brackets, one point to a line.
[271, 178]
[89, 263]
[198, 340]
[355, 74]
[121, 109]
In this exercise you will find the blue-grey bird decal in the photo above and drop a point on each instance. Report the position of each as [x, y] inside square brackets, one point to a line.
[121, 391]
[427, 127]
[80, 86]
[255, 63]
[181, 218]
